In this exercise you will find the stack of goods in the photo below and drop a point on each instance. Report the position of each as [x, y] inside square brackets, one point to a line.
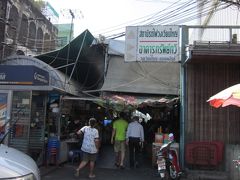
[159, 136]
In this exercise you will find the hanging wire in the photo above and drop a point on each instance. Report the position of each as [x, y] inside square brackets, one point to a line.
[176, 16]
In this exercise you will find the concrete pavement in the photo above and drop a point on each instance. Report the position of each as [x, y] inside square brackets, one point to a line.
[105, 170]
[66, 172]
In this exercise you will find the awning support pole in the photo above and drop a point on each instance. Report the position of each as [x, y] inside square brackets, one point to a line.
[183, 107]
[79, 52]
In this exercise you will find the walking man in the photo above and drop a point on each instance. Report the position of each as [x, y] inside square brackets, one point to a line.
[119, 139]
[135, 139]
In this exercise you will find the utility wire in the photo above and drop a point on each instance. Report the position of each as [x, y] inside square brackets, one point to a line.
[184, 14]
[237, 3]
[177, 15]
[171, 10]
[139, 20]
[197, 16]
[174, 12]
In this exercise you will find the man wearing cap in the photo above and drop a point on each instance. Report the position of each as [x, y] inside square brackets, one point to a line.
[134, 139]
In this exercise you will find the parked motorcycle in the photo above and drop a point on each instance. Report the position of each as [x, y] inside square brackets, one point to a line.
[167, 163]
[237, 162]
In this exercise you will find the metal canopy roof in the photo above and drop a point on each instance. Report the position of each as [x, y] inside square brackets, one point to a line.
[57, 78]
[142, 77]
[214, 52]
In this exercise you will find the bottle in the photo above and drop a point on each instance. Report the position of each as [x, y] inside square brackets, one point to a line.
[159, 135]
[160, 129]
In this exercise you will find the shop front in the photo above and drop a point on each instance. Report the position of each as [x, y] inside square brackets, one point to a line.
[26, 93]
[159, 116]
[25, 106]
[150, 87]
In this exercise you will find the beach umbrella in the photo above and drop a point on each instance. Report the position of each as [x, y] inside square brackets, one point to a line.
[226, 97]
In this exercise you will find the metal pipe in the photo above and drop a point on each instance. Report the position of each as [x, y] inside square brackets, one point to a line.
[183, 107]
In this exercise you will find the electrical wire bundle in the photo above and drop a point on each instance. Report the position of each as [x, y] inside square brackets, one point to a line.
[178, 13]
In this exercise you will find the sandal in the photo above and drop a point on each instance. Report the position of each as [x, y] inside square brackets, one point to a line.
[92, 176]
[76, 173]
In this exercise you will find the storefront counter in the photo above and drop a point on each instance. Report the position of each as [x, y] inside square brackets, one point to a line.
[66, 146]
[63, 157]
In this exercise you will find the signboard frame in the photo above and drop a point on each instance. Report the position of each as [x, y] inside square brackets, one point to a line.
[23, 75]
[152, 43]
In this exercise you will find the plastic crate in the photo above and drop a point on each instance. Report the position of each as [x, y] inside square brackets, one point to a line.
[220, 148]
[199, 153]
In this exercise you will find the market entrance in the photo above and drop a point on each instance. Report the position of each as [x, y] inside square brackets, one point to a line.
[162, 114]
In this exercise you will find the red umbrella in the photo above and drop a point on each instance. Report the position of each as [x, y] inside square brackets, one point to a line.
[226, 97]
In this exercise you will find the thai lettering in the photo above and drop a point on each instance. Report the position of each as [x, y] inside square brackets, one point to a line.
[156, 33]
[158, 49]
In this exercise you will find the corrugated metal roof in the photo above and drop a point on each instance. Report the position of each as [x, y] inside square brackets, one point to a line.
[211, 48]
[142, 77]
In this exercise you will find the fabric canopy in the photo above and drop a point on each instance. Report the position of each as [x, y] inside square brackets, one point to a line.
[81, 60]
[131, 102]
[142, 77]
[140, 101]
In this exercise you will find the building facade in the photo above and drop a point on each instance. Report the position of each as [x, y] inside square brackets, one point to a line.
[26, 30]
[65, 34]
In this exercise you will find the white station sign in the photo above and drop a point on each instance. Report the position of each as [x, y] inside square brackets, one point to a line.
[152, 43]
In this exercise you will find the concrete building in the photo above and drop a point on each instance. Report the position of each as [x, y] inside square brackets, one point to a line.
[26, 30]
[65, 34]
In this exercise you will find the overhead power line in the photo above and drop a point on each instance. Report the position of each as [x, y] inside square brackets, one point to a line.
[183, 13]
[237, 2]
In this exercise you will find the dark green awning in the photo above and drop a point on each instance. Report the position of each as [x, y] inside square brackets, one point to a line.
[81, 60]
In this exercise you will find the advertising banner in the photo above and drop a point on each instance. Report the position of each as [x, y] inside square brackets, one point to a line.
[152, 43]
[3, 113]
[23, 75]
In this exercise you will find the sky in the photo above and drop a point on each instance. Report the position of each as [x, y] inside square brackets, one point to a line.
[105, 16]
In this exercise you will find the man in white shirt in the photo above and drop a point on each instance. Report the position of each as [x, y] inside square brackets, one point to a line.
[134, 139]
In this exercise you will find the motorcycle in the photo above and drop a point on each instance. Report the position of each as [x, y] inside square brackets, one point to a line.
[167, 163]
[237, 162]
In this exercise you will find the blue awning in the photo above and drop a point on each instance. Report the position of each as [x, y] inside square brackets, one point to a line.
[57, 80]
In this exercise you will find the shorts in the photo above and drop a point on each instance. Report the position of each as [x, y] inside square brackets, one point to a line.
[89, 157]
[119, 146]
